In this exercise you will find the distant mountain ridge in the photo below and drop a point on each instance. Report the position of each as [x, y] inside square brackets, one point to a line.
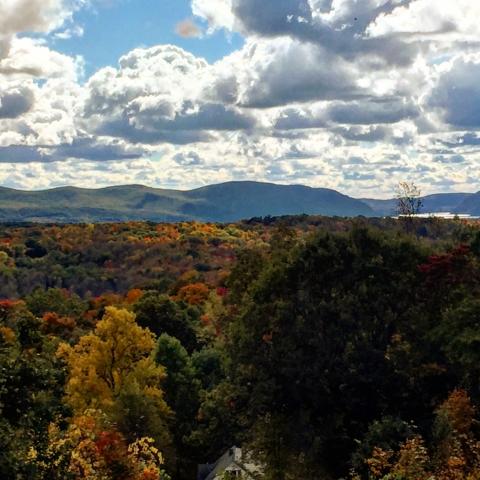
[457, 203]
[225, 202]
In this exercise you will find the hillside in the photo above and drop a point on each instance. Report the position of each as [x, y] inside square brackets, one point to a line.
[440, 202]
[470, 205]
[226, 202]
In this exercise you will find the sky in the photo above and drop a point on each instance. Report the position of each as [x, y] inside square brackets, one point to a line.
[355, 95]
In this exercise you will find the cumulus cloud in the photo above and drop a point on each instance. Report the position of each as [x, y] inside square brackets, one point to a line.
[345, 94]
[373, 112]
[393, 30]
[39, 16]
[272, 73]
[449, 158]
[21, 153]
[155, 97]
[15, 101]
[187, 158]
[31, 15]
[30, 57]
[358, 177]
[75, 31]
[163, 74]
[465, 140]
[30, 112]
[364, 134]
[451, 20]
[87, 148]
[457, 94]
[272, 18]
[218, 13]
[97, 149]
[339, 27]
[298, 118]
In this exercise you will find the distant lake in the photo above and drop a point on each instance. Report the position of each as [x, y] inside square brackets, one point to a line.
[448, 215]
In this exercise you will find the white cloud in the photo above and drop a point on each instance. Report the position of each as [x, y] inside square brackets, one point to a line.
[457, 94]
[15, 100]
[155, 97]
[423, 17]
[31, 16]
[346, 94]
[218, 13]
[74, 31]
[29, 57]
[267, 73]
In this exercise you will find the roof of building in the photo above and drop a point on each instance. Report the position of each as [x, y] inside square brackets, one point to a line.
[230, 460]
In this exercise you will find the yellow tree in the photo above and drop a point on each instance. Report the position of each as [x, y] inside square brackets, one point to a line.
[113, 360]
[91, 450]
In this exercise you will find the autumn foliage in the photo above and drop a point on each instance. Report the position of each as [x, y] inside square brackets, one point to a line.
[330, 348]
[455, 454]
[114, 358]
[88, 451]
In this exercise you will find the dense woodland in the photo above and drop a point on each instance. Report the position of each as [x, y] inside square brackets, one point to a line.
[329, 348]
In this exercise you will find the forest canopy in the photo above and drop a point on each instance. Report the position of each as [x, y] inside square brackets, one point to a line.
[327, 348]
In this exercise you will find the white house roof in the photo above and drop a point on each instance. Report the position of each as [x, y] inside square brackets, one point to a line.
[232, 461]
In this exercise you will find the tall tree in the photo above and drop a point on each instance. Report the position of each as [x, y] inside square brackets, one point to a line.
[182, 394]
[409, 202]
[160, 314]
[112, 368]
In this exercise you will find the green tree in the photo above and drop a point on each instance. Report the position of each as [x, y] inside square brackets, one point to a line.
[209, 367]
[246, 270]
[309, 349]
[182, 394]
[55, 300]
[457, 335]
[160, 314]
[31, 390]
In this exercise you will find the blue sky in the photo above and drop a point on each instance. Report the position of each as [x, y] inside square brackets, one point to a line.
[346, 94]
[114, 28]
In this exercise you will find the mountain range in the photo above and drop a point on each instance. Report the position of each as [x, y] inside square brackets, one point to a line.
[456, 203]
[226, 202]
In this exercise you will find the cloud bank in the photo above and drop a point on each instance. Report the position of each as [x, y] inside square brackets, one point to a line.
[335, 93]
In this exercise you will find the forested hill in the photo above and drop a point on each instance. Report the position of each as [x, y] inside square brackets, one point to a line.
[226, 202]
[458, 203]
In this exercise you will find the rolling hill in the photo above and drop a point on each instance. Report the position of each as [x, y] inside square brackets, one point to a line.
[225, 202]
[440, 202]
[470, 205]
